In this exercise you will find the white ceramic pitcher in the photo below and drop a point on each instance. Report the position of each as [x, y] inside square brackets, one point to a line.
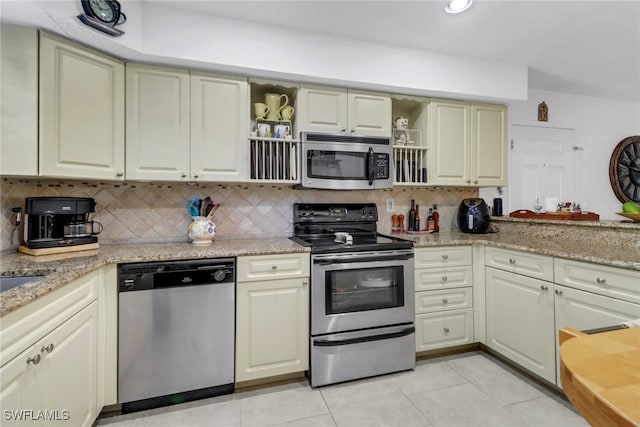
[273, 101]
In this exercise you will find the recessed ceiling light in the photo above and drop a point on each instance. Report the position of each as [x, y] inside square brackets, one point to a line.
[457, 6]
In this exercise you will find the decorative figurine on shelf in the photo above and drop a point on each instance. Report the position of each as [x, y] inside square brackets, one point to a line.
[401, 123]
[543, 112]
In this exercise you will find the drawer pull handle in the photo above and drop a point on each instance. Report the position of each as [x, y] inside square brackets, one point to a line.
[446, 330]
[274, 267]
[445, 256]
[444, 300]
[47, 349]
[512, 261]
[601, 281]
[558, 292]
[35, 359]
[544, 287]
[445, 278]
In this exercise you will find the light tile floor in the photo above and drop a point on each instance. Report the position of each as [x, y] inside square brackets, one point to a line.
[466, 390]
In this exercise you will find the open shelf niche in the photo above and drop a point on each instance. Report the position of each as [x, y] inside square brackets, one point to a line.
[410, 146]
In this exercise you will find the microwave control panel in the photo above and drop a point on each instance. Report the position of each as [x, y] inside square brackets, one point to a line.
[381, 166]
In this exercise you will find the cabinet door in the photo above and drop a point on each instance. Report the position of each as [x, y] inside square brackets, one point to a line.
[219, 123]
[527, 264]
[18, 100]
[520, 322]
[81, 112]
[488, 145]
[322, 109]
[69, 356]
[450, 139]
[368, 113]
[20, 388]
[157, 123]
[272, 328]
[583, 310]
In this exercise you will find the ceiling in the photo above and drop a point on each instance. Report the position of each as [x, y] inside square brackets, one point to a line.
[582, 47]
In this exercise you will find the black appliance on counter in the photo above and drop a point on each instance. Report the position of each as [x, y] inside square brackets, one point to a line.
[362, 293]
[58, 221]
[474, 216]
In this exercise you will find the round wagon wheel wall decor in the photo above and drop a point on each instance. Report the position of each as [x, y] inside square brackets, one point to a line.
[624, 170]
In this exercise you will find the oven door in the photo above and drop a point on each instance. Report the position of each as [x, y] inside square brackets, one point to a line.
[354, 165]
[358, 290]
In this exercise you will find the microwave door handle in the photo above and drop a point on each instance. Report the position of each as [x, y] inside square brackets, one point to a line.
[371, 164]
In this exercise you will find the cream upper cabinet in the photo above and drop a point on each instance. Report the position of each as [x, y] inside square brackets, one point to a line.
[219, 123]
[469, 143]
[158, 123]
[338, 110]
[18, 100]
[81, 112]
[186, 126]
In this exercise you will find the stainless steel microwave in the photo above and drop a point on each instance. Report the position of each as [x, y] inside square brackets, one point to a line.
[343, 162]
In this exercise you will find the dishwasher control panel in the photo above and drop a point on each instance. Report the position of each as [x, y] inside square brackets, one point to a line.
[171, 274]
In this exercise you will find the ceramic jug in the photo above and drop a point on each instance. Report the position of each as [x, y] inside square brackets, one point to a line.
[202, 230]
[273, 101]
[287, 112]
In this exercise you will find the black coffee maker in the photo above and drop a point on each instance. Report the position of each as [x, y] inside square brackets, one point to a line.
[59, 221]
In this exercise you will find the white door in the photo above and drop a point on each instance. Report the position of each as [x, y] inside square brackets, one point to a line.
[542, 165]
[450, 139]
[368, 113]
[489, 144]
[322, 109]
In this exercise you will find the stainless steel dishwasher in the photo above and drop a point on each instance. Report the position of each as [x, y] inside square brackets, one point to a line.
[176, 328]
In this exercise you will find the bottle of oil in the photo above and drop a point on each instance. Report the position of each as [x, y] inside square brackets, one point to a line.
[412, 216]
[416, 224]
[436, 219]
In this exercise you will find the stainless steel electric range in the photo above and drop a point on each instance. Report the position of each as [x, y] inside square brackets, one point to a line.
[362, 303]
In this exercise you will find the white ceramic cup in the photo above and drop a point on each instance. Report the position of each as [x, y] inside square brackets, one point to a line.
[264, 130]
[551, 204]
[281, 131]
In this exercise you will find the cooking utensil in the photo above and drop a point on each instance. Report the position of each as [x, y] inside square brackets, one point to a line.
[213, 210]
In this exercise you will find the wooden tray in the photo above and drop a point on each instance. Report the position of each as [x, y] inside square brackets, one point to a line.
[57, 250]
[574, 216]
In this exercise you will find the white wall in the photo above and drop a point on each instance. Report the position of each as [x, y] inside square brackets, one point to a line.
[599, 125]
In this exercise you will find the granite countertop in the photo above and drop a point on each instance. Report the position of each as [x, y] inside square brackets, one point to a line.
[63, 268]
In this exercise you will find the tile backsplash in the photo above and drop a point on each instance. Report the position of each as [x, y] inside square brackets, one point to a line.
[156, 212]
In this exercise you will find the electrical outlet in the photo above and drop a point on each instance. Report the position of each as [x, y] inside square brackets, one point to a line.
[389, 205]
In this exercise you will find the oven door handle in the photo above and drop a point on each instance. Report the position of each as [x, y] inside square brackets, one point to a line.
[337, 259]
[335, 343]
[371, 165]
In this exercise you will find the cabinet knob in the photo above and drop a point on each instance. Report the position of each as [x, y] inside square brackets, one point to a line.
[446, 330]
[274, 267]
[35, 359]
[468, 181]
[512, 261]
[353, 130]
[475, 181]
[343, 130]
[601, 281]
[183, 175]
[558, 292]
[196, 176]
[444, 300]
[544, 287]
[119, 174]
[445, 256]
[445, 278]
[47, 349]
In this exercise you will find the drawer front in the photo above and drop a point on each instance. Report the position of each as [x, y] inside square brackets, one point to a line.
[445, 329]
[442, 256]
[527, 264]
[613, 282]
[429, 279]
[266, 267]
[432, 301]
[24, 326]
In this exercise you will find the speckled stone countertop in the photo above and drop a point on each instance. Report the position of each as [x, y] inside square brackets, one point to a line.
[61, 269]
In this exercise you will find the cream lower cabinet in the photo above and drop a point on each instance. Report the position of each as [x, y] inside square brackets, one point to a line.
[185, 126]
[468, 143]
[272, 316]
[444, 297]
[51, 375]
[520, 320]
[18, 100]
[339, 110]
[81, 110]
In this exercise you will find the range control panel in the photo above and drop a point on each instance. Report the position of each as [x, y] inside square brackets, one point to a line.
[347, 212]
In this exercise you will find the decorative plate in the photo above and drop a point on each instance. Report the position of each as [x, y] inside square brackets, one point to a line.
[633, 216]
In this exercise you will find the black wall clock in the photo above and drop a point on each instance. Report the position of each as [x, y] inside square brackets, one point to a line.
[103, 15]
[624, 170]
